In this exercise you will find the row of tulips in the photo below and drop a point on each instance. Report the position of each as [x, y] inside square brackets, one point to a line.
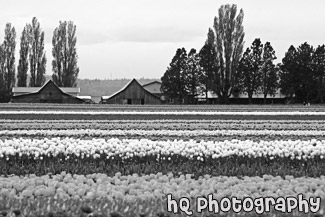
[162, 125]
[128, 148]
[141, 112]
[103, 207]
[175, 121]
[165, 133]
[202, 107]
[157, 186]
[157, 195]
[76, 116]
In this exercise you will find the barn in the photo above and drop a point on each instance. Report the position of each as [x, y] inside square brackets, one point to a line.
[48, 93]
[153, 87]
[132, 93]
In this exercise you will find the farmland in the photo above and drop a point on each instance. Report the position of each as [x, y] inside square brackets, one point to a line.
[99, 160]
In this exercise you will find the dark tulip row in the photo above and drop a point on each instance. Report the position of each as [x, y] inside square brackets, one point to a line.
[225, 166]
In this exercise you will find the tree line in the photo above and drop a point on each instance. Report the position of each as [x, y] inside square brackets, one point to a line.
[32, 57]
[224, 68]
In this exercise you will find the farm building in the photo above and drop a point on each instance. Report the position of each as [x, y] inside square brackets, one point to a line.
[132, 93]
[48, 93]
[153, 87]
[242, 98]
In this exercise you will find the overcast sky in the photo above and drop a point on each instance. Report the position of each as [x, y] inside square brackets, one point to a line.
[138, 38]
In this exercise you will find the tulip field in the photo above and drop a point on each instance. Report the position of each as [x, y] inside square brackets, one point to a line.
[142, 161]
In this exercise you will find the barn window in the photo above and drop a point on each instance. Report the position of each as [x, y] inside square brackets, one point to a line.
[129, 101]
[142, 101]
[50, 93]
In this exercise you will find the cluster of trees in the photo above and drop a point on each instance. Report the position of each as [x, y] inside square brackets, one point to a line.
[183, 76]
[302, 73]
[223, 68]
[216, 63]
[257, 72]
[32, 57]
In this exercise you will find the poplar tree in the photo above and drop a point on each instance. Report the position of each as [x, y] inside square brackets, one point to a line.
[37, 59]
[65, 59]
[229, 42]
[7, 61]
[23, 60]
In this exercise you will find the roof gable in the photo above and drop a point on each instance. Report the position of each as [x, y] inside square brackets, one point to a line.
[25, 89]
[50, 82]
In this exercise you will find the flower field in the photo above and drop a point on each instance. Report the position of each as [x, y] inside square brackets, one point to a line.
[116, 161]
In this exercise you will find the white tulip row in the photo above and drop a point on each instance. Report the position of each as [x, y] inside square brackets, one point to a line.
[160, 121]
[146, 133]
[254, 113]
[158, 186]
[127, 148]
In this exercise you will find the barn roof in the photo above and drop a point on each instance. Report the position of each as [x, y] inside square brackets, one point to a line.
[25, 89]
[41, 88]
[147, 84]
[36, 89]
[125, 87]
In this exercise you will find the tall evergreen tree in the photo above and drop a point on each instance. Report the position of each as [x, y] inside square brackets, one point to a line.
[173, 80]
[318, 65]
[289, 79]
[249, 69]
[305, 71]
[208, 62]
[193, 74]
[269, 71]
[37, 59]
[64, 64]
[23, 60]
[229, 46]
[298, 75]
